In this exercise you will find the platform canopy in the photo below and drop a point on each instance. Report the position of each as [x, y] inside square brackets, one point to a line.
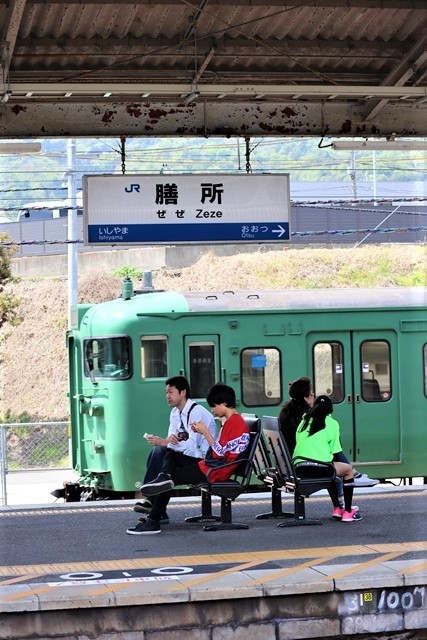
[213, 67]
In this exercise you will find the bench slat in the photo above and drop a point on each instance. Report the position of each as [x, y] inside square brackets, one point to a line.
[303, 478]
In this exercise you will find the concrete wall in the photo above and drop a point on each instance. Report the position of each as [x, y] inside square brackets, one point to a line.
[148, 258]
[300, 616]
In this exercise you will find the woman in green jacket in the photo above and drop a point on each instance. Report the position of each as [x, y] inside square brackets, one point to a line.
[318, 438]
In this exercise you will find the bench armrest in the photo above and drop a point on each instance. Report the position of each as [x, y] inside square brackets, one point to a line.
[311, 462]
[225, 465]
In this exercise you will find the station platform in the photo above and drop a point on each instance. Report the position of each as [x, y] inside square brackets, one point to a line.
[68, 570]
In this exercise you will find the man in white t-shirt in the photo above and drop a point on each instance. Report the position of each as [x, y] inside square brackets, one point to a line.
[180, 437]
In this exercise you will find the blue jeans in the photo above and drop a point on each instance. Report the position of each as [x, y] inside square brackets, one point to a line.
[183, 470]
[154, 463]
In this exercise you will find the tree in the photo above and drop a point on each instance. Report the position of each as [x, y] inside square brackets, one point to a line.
[9, 303]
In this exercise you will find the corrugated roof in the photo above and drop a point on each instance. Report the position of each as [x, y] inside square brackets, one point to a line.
[252, 40]
[218, 47]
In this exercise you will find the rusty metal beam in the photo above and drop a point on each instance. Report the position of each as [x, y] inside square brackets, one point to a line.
[204, 65]
[159, 118]
[410, 64]
[9, 35]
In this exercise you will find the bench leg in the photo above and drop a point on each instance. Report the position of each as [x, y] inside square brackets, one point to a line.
[299, 519]
[276, 507]
[299, 523]
[226, 522]
[222, 526]
[206, 515]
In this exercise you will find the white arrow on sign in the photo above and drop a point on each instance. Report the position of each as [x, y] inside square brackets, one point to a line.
[280, 231]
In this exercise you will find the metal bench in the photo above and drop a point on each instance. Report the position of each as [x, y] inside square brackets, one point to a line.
[263, 463]
[302, 476]
[228, 490]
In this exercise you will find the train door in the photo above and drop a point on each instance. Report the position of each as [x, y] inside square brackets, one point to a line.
[358, 370]
[202, 363]
[74, 391]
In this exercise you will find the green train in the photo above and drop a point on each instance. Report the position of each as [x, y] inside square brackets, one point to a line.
[365, 348]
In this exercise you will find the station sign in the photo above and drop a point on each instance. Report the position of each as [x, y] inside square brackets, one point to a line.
[185, 209]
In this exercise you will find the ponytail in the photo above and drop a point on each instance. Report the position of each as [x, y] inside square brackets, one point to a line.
[315, 418]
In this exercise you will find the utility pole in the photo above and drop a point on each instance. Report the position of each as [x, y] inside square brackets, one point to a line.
[374, 174]
[353, 174]
[72, 227]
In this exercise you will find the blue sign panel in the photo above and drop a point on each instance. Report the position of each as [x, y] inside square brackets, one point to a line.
[172, 233]
[179, 209]
[259, 361]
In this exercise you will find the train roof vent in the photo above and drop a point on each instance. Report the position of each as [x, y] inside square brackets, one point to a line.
[147, 284]
[147, 280]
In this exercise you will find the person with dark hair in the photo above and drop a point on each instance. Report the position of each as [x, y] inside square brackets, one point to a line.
[180, 438]
[182, 469]
[318, 438]
[291, 414]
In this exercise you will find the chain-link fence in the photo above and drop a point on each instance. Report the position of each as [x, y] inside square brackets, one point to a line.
[36, 445]
[32, 446]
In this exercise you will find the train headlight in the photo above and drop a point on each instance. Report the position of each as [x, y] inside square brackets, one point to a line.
[96, 410]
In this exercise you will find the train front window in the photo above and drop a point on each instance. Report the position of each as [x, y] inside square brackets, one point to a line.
[202, 368]
[107, 358]
[375, 371]
[261, 379]
[328, 370]
[154, 357]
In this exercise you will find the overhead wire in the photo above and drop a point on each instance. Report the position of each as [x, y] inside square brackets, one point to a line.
[327, 232]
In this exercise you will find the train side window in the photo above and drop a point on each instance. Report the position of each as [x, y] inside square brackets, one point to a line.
[261, 376]
[154, 357]
[202, 368]
[375, 371]
[425, 369]
[107, 358]
[328, 369]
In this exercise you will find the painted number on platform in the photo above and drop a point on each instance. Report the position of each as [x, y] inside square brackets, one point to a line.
[382, 601]
[391, 600]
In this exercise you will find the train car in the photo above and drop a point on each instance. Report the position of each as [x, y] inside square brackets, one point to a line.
[365, 348]
[48, 209]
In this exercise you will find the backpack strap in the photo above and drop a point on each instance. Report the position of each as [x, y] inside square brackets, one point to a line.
[189, 411]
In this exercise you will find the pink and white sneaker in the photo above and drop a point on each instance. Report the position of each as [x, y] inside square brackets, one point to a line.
[351, 516]
[337, 513]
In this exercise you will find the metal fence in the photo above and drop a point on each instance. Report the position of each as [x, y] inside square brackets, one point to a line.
[32, 446]
[334, 221]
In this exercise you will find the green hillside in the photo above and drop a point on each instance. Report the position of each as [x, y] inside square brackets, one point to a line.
[41, 177]
[33, 380]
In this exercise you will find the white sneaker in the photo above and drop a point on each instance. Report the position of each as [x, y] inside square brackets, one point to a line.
[353, 506]
[363, 480]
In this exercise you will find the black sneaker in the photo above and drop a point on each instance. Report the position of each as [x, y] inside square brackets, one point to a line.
[162, 483]
[163, 520]
[143, 507]
[148, 527]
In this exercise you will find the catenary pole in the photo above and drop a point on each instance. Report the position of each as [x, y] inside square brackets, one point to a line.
[72, 227]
